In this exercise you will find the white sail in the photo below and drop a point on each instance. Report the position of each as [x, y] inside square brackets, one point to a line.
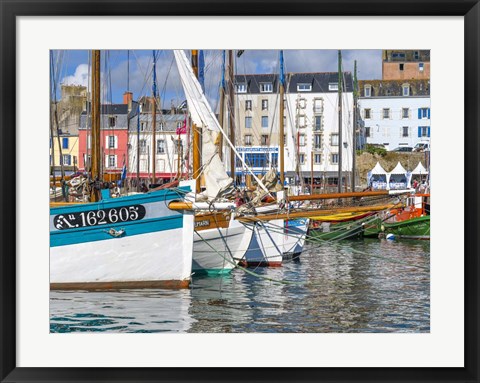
[216, 178]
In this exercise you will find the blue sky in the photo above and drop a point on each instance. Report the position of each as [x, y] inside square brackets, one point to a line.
[122, 68]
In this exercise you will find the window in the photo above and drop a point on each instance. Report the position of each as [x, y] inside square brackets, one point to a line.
[301, 139]
[367, 114]
[301, 158]
[368, 91]
[318, 105]
[301, 121]
[266, 87]
[112, 121]
[317, 158]
[317, 121]
[160, 146]
[401, 66]
[420, 67]
[66, 159]
[111, 142]
[333, 86]
[256, 160]
[301, 103]
[242, 87]
[398, 55]
[406, 90]
[274, 159]
[87, 160]
[264, 140]
[248, 105]
[304, 87]
[334, 158]
[143, 146]
[65, 143]
[248, 139]
[178, 145]
[405, 131]
[386, 113]
[248, 122]
[423, 131]
[317, 141]
[264, 104]
[423, 113]
[334, 139]
[367, 131]
[264, 121]
[142, 126]
[405, 112]
[416, 55]
[111, 161]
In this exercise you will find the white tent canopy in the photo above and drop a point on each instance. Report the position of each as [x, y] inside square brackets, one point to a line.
[377, 177]
[420, 169]
[398, 178]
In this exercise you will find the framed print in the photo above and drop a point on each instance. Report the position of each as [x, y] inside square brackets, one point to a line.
[365, 86]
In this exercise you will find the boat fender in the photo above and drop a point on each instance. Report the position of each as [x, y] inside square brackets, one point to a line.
[390, 237]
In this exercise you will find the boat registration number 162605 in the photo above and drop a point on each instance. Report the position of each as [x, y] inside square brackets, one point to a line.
[99, 217]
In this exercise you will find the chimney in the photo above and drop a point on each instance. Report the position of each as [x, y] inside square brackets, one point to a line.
[127, 99]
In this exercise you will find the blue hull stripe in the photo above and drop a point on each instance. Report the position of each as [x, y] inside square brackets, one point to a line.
[100, 233]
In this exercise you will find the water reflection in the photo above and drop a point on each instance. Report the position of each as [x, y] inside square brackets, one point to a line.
[351, 286]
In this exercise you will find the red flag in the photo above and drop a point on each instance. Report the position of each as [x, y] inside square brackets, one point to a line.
[183, 129]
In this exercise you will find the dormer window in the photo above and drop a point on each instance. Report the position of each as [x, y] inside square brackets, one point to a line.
[405, 90]
[367, 91]
[304, 87]
[333, 86]
[266, 87]
[242, 87]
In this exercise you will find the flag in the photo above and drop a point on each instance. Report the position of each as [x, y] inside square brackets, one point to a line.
[183, 128]
[124, 170]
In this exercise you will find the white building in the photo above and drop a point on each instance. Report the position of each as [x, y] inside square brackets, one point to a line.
[396, 113]
[311, 125]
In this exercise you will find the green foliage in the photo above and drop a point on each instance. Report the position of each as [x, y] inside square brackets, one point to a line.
[374, 149]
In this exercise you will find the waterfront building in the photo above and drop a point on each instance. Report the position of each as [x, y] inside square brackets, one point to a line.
[310, 125]
[114, 122]
[405, 64]
[170, 146]
[65, 120]
[395, 113]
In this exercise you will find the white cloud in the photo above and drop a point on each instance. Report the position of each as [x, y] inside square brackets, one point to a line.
[80, 77]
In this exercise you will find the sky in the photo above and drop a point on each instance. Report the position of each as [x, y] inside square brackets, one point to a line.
[132, 70]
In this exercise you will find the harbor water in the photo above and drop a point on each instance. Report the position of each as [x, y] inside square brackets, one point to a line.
[352, 286]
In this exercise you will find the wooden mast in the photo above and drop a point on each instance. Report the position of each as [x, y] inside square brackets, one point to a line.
[340, 139]
[281, 133]
[231, 113]
[95, 166]
[221, 113]
[196, 134]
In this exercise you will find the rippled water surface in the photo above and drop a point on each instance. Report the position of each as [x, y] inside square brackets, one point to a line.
[367, 285]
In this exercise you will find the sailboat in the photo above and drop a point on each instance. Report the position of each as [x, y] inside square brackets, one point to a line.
[124, 242]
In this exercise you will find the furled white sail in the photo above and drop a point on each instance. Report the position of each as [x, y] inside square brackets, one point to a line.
[216, 178]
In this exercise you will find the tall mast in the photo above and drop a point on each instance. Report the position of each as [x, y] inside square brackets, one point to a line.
[340, 139]
[154, 116]
[281, 123]
[221, 114]
[232, 113]
[95, 167]
[196, 134]
[354, 143]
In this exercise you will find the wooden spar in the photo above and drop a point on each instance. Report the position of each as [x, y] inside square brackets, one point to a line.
[340, 139]
[281, 132]
[221, 113]
[196, 134]
[154, 119]
[337, 195]
[231, 109]
[308, 213]
[354, 137]
[95, 166]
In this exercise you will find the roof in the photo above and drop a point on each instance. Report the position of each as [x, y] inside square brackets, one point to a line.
[112, 109]
[420, 169]
[254, 80]
[377, 169]
[399, 169]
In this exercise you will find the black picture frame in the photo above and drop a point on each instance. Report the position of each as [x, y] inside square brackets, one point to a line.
[470, 10]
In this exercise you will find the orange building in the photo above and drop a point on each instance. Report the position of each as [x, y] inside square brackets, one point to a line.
[405, 64]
